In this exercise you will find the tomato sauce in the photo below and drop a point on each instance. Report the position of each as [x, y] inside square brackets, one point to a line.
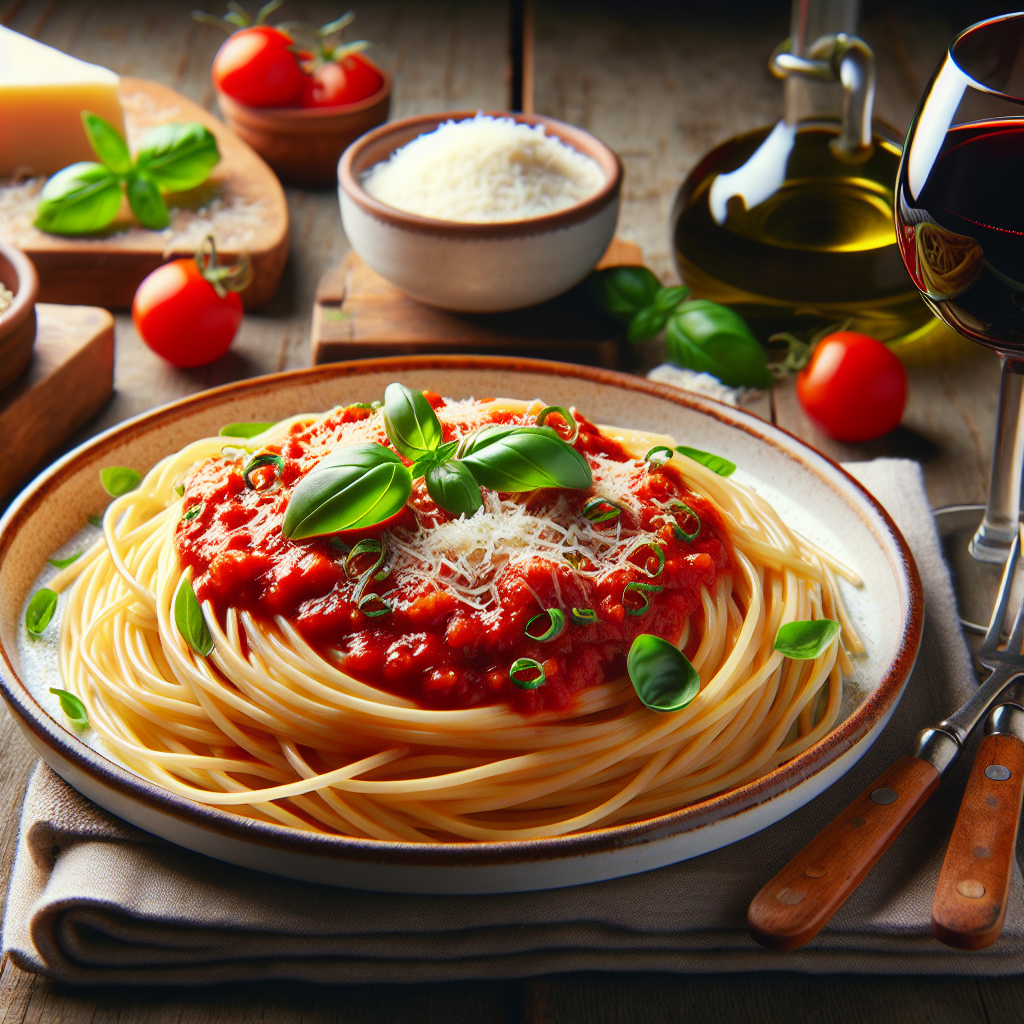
[423, 637]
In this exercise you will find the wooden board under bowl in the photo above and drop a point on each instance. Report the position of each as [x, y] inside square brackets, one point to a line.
[357, 314]
[242, 201]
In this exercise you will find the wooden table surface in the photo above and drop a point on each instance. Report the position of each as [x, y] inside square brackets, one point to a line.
[661, 84]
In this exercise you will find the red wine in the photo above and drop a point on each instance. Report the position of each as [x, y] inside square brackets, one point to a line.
[962, 239]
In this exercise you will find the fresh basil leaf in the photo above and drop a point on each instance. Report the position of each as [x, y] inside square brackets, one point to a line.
[647, 323]
[72, 706]
[178, 156]
[623, 291]
[427, 462]
[355, 486]
[244, 429]
[709, 338]
[412, 425]
[40, 610]
[80, 199]
[118, 480]
[669, 298]
[452, 486]
[723, 467]
[806, 640]
[107, 143]
[661, 674]
[147, 204]
[188, 617]
[510, 458]
[63, 563]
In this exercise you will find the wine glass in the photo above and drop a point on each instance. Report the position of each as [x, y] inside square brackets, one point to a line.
[959, 209]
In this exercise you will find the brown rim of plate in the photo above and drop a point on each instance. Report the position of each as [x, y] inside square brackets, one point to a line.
[379, 144]
[28, 286]
[284, 116]
[345, 848]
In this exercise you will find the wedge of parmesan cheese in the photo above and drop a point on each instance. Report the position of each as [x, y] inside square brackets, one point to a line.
[42, 95]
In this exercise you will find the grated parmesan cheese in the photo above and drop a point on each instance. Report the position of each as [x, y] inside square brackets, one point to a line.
[484, 169]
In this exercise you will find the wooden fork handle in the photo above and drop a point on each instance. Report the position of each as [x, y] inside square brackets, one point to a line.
[970, 901]
[800, 900]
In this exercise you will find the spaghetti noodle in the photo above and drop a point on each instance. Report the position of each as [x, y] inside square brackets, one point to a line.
[277, 725]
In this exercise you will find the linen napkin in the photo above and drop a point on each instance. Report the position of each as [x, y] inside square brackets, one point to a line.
[95, 901]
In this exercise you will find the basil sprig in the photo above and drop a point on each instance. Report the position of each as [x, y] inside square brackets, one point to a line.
[699, 334]
[806, 640]
[72, 706]
[86, 196]
[362, 485]
[661, 674]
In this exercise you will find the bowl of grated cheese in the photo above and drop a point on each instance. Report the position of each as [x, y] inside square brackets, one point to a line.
[480, 212]
[19, 287]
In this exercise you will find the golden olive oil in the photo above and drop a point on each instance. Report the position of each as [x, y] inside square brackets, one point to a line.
[819, 250]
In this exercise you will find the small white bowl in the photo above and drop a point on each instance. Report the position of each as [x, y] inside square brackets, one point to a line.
[471, 267]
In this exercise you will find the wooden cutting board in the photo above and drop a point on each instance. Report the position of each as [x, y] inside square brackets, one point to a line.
[242, 201]
[357, 314]
[70, 379]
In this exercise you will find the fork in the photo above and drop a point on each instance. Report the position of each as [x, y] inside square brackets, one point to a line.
[801, 899]
[973, 888]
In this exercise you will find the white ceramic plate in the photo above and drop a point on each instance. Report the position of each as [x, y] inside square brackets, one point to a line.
[811, 492]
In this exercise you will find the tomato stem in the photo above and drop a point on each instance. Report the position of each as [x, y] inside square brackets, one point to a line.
[223, 279]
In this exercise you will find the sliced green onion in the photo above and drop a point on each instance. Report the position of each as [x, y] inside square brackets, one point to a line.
[523, 665]
[654, 455]
[556, 625]
[266, 459]
[365, 606]
[642, 590]
[681, 506]
[570, 420]
[72, 706]
[583, 616]
[63, 563]
[192, 513]
[659, 553]
[40, 610]
[601, 510]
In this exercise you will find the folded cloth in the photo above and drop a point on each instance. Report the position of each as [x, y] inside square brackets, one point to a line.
[93, 900]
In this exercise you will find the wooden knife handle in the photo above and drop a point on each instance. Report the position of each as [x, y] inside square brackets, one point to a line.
[800, 900]
[970, 901]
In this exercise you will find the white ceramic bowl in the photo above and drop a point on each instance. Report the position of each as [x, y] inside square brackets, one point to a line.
[477, 268]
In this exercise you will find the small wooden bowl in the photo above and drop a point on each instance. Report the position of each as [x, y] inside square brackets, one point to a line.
[18, 321]
[303, 146]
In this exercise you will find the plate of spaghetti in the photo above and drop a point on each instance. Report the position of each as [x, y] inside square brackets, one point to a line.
[443, 624]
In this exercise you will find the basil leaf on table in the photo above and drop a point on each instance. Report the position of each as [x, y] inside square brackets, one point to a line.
[107, 143]
[177, 157]
[243, 429]
[78, 200]
[72, 706]
[661, 674]
[40, 610]
[188, 617]
[118, 480]
[720, 465]
[623, 291]
[452, 486]
[356, 486]
[511, 458]
[709, 338]
[806, 640]
[147, 203]
[411, 423]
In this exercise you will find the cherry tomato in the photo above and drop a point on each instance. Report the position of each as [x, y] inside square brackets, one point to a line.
[853, 388]
[180, 316]
[352, 79]
[256, 67]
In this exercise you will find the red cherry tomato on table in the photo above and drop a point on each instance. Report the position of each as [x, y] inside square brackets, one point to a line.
[256, 67]
[349, 80]
[180, 316]
[853, 388]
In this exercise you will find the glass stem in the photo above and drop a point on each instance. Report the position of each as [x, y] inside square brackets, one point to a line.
[995, 535]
